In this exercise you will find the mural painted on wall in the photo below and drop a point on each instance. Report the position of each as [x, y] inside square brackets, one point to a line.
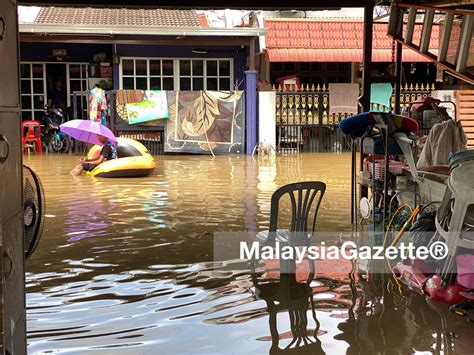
[205, 122]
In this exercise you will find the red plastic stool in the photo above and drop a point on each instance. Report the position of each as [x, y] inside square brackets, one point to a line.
[33, 134]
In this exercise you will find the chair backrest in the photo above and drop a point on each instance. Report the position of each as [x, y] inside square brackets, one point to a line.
[303, 196]
[34, 128]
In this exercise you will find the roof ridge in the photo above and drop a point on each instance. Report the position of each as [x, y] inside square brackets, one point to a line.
[114, 8]
[56, 15]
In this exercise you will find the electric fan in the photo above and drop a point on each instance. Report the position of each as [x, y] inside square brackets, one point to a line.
[33, 210]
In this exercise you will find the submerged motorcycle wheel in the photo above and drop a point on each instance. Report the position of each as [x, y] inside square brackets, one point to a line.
[61, 145]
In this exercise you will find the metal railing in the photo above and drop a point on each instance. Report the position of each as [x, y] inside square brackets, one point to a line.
[151, 139]
[304, 124]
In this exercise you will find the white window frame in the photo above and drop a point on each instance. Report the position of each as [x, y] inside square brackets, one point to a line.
[81, 80]
[218, 76]
[191, 75]
[176, 71]
[45, 88]
[32, 94]
[161, 76]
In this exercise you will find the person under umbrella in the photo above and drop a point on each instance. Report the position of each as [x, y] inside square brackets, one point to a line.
[108, 152]
[92, 133]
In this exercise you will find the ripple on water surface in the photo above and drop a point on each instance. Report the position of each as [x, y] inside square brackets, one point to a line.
[125, 265]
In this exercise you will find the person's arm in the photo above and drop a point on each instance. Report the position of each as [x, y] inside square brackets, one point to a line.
[97, 161]
[103, 154]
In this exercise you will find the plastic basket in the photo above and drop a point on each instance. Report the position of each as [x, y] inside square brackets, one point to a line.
[377, 170]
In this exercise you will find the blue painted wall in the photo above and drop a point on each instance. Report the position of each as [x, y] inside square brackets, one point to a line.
[76, 52]
[85, 53]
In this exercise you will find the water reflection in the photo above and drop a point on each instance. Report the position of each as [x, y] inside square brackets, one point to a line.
[86, 217]
[126, 266]
[391, 317]
[292, 297]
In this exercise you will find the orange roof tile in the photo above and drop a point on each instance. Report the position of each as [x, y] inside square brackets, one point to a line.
[311, 40]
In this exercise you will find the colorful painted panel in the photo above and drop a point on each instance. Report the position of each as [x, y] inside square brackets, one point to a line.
[124, 97]
[153, 107]
[205, 122]
[138, 106]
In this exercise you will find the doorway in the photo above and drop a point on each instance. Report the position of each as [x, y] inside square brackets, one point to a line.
[56, 85]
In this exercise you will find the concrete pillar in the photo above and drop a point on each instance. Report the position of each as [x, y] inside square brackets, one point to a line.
[251, 109]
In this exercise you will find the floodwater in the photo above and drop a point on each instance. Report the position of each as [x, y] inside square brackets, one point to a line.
[125, 266]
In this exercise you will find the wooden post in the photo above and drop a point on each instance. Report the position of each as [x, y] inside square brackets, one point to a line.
[410, 28]
[426, 32]
[252, 54]
[445, 36]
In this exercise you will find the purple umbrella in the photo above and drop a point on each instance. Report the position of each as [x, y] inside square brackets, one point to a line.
[87, 131]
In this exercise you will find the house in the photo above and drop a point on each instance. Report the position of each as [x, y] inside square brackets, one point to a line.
[187, 50]
[129, 49]
[323, 51]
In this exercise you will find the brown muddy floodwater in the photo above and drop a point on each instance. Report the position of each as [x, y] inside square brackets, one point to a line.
[126, 266]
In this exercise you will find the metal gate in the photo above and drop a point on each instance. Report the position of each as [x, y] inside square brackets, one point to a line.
[304, 124]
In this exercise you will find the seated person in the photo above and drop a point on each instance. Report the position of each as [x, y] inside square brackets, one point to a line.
[108, 152]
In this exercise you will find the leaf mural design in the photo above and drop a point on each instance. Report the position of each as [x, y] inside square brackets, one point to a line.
[172, 111]
[188, 96]
[189, 127]
[213, 118]
[198, 119]
[186, 116]
[226, 96]
[221, 129]
[205, 121]
[207, 108]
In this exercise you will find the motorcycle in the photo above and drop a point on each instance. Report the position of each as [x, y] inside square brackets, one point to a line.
[55, 140]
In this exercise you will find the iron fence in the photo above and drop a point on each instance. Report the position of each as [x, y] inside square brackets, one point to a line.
[152, 140]
[304, 124]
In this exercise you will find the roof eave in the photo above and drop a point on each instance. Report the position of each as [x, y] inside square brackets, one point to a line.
[140, 30]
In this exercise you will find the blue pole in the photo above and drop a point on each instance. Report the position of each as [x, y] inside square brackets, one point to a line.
[251, 109]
